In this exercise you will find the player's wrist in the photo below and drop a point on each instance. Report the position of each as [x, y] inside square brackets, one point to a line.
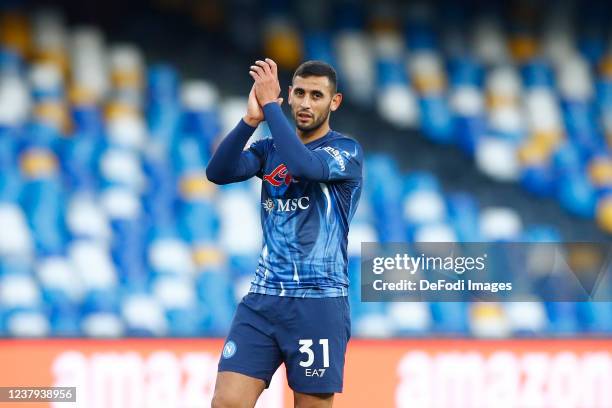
[251, 121]
[271, 101]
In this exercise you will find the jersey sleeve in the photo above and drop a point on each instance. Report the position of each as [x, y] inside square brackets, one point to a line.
[343, 159]
[230, 163]
[258, 150]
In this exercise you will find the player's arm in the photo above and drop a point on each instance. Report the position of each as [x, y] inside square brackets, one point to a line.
[340, 161]
[230, 163]
[301, 162]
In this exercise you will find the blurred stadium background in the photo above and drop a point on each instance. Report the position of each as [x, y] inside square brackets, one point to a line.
[481, 121]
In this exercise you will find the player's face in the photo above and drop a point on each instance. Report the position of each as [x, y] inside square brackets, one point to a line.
[311, 100]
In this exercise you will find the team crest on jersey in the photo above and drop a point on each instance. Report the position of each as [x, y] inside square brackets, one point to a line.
[230, 349]
[280, 175]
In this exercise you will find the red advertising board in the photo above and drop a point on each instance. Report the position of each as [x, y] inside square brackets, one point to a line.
[382, 373]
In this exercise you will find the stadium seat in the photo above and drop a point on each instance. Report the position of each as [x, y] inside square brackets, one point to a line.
[489, 320]
[19, 291]
[450, 318]
[463, 213]
[497, 223]
[215, 289]
[318, 46]
[102, 325]
[143, 316]
[526, 319]
[377, 325]
[562, 317]
[467, 105]
[410, 319]
[27, 324]
[497, 158]
[282, 42]
[604, 213]
[15, 234]
[356, 66]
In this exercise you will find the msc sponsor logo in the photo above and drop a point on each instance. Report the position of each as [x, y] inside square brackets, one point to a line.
[337, 156]
[280, 175]
[268, 205]
[289, 204]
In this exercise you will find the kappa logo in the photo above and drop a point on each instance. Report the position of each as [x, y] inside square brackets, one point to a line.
[280, 175]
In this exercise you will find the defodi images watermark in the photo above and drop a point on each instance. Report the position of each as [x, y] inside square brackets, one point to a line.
[498, 271]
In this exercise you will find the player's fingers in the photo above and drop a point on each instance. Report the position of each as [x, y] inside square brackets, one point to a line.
[264, 65]
[273, 66]
[279, 101]
[254, 75]
[257, 70]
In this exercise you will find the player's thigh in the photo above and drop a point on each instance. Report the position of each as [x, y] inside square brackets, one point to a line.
[301, 400]
[235, 390]
[251, 348]
[314, 342]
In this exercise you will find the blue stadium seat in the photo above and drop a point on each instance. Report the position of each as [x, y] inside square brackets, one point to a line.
[577, 195]
[436, 119]
[537, 73]
[595, 317]
[463, 215]
[563, 318]
[317, 46]
[449, 318]
[465, 71]
[215, 289]
[384, 197]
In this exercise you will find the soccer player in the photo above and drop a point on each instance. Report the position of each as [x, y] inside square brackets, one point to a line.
[297, 309]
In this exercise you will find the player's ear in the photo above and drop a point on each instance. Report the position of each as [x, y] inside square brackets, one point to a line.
[336, 101]
[289, 99]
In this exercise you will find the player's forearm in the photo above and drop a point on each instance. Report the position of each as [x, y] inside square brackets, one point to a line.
[300, 161]
[226, 165]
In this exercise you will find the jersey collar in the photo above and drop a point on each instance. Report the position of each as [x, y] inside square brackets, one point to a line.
[317, 142]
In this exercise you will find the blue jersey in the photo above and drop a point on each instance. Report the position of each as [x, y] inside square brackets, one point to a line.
[305, 223]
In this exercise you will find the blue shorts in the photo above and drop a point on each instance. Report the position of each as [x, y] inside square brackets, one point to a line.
[308, 334]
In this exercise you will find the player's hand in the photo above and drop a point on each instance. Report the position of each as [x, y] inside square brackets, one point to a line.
[265, 74]
[255, 114]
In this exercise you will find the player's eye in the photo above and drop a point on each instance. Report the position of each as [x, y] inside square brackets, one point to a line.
[299, 92]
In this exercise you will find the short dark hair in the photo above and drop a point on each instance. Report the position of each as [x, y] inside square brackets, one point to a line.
[317, 68]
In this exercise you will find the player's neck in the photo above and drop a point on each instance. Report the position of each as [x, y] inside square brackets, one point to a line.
[312, 135]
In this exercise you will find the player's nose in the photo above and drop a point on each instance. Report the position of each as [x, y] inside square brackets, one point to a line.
[305, 102]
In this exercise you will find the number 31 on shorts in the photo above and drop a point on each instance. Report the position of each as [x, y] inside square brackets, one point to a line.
[306, 345]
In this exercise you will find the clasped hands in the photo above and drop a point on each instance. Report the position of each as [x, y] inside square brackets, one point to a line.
[265, 89]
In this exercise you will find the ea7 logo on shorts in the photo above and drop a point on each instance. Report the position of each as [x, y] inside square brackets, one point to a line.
[230, 349]
[314, 372]
[278, 176]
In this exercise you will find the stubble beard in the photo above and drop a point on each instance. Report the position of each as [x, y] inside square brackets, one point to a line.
[315, 125]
